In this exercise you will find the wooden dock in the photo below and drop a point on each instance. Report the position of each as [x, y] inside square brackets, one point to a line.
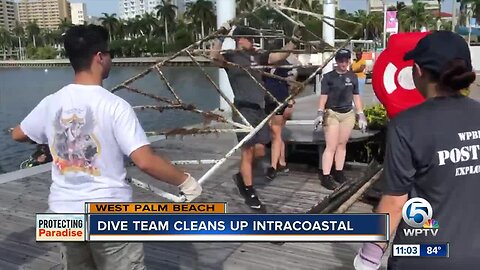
[180, 61]
[24, 193]
[296, 192]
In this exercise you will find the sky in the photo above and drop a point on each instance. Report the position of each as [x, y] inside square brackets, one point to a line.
[96, 7]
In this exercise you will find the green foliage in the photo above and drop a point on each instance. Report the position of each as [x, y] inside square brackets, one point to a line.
[47, 52]
[376, 117]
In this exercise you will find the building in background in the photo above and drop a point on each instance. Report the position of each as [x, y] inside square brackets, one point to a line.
[131, 8]
[94, 20]
[46, 13]
[79, 13]
[8, 14]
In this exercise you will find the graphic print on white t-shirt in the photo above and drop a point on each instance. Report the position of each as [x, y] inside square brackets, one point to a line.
[75, 147]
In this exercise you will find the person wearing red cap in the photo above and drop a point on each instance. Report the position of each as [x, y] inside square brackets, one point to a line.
[432, 153]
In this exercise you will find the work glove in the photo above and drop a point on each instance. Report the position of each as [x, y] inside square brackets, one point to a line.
[297, 32]
[225, 28]
[190, 189]
[293, 73]
[319, 120]
[369, 257]
[362, 121]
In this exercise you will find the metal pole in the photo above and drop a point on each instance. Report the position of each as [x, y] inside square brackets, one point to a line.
[225, 12]
[454, 15]
[328, 36]
[384, 23]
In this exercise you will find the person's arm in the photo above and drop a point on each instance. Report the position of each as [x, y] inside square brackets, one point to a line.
[357, 100]
[215, 54]
[399, 175]
[133, 142]
[276, 57]
[280, 56]
[392, 205]
[157, 167]
[19, 136]
[32, 128]
[361, 68]
[325, 89]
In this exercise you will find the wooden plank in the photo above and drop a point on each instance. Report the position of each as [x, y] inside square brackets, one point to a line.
[295, 192]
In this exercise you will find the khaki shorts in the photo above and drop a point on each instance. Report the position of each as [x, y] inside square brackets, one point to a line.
[335, 118]
[102, 256]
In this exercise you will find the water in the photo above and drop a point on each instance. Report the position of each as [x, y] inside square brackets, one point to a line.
[22, 88]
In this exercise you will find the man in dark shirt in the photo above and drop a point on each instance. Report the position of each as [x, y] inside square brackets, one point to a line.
[249, 98]
[433, 153]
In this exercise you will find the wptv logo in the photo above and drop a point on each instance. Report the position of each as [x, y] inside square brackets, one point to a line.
[417, 213]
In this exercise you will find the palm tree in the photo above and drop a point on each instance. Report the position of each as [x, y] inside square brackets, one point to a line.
[33, 31]
[149, 24]
[110, 22]
[19, 33]
[245, 5]
[299, 4]
[5, 40]
[201, 12]
[64, 25]
[166, 11]
[371, 23]
[415, 16]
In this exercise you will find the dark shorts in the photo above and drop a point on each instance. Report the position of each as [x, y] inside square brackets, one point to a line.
[254, 116]
[271, 106]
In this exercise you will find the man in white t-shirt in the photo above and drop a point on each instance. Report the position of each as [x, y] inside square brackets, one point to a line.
[89, 130]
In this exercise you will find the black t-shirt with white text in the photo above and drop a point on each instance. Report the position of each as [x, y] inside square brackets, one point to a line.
[340, 89]
[433, 152]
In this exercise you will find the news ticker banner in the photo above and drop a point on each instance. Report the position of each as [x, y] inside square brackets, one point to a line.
[420, 250]
[156, 208]
[199, 222]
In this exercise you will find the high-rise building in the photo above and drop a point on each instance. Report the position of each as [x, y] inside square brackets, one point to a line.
[8, 14]
[132, 8]
[79, 13]
[46, 13]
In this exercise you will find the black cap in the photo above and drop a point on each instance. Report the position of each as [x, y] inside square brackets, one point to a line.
[343, 53]
[437, 49]
[244, 31]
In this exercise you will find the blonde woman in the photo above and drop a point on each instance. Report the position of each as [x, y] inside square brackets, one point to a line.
[336, 114]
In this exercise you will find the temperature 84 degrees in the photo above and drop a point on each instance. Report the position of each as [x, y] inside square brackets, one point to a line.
[434, 250]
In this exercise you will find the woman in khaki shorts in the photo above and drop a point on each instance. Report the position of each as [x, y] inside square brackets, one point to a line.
[336, 115]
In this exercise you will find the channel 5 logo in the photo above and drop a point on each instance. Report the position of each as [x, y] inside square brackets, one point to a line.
[418, 213]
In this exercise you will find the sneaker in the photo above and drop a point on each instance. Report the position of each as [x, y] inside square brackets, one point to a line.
[339, 176]
[251, 198]
[328, 182]
[238, 180]
[282, 169]
[271, 173]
